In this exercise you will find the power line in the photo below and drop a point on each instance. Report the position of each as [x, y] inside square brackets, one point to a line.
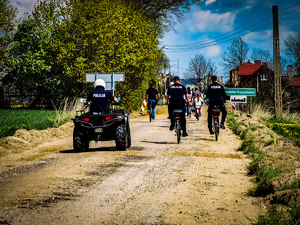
[196, 43]
[222, 40]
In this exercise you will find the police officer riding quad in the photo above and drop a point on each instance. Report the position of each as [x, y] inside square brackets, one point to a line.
[101, 123]
[113, 125]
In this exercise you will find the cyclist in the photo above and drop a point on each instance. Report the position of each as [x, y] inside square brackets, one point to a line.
[195, 94]
[98, 99]
[176, 94]
[198, 103]
[217, 96]
[189, 99]
[151, 94]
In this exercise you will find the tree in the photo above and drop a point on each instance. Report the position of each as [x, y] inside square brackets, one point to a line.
[26, 66]
[292, 50]
[198, 68]
[236, 55]
[261, 54]
[7, 21]
[162, 12]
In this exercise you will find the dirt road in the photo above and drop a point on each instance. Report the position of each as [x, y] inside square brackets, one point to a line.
[156, 181]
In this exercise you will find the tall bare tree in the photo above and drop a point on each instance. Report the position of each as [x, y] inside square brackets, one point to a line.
[198, 68]
[261, 54]
[292, 50]
[236, 55]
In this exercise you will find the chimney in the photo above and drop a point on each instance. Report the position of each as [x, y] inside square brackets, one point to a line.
[265, 63]
[257, 62]
[291, 74]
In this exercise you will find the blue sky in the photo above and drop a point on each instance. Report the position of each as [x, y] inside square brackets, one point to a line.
[209, 29]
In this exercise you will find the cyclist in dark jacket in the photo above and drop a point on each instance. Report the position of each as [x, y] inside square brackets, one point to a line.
[175, 96]
[151, 94]
[217, 96]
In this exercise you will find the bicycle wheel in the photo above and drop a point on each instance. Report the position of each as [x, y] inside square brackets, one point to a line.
[216, 128]
[178, 130]
[151, 113]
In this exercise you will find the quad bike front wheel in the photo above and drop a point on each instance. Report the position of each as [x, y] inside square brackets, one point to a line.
[128, 138]
[80, 141]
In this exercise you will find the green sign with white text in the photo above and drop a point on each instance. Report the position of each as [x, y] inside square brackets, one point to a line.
[240, 91]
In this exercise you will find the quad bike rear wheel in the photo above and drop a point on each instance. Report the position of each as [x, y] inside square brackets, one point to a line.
[80, 141]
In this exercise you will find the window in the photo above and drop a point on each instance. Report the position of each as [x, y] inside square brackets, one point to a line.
[263, 77]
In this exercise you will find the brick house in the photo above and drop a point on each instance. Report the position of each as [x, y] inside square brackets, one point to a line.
[256, 75]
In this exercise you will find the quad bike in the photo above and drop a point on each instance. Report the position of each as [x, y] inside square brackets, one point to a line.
[101, 126]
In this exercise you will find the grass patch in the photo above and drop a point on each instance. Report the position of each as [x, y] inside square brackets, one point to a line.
[263, 180]
[16, 119]
[294, 185]
[253, 167]
[283, 217]
[250, 150]
[287, 130]
[12, 120]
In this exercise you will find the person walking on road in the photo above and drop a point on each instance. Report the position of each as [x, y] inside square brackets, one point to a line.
[176, 96]
[217, 97]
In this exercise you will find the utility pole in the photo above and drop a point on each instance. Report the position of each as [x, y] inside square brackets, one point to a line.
[277, 66]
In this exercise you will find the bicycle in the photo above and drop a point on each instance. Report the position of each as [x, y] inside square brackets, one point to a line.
[177, 113]
[151, 114]
[189, 109]
[197, 114]
[215, 119]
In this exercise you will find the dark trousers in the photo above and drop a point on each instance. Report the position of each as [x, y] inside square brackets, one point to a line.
[183, 120]
[209, 116]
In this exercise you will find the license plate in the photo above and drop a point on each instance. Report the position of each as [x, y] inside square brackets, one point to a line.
[99, 130]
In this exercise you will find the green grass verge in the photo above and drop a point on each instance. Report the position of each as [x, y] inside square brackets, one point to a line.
[12, 120]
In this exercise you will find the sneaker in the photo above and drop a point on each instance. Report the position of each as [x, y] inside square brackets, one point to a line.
[222, 126]
[171, 128]
[185, 134]
[211, 132]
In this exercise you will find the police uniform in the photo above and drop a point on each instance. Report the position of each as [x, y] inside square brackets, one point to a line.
[177, 92]
[216, 95]
[99, 98]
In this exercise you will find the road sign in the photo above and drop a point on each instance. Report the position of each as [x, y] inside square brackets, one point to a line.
[240, 91]
[238, 98]
[109, 78]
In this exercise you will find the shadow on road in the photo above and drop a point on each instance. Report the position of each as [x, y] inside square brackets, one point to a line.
[103, 149]
[159, 142]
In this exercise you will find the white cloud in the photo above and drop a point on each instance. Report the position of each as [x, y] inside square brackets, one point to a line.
[208, 2]
[213, 51]
[206, 21]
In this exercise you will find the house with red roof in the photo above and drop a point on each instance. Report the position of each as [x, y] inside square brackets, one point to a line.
[256, 75]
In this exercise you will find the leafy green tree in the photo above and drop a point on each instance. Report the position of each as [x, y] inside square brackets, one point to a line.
[7, 21]
[163, 12]
[107, 36]
[27, 68]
